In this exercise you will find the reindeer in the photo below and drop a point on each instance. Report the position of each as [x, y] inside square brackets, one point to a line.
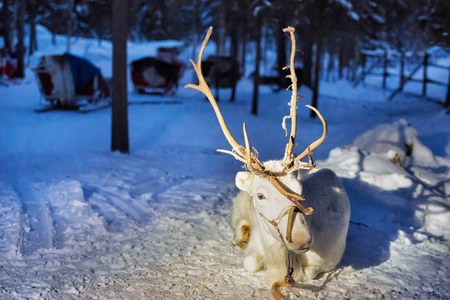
[221, 72]
[281, 81]
[278, 233]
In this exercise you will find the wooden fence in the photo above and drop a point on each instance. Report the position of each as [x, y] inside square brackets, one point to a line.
[383, 61]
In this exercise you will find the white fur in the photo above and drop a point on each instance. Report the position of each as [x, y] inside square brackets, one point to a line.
[318, 240]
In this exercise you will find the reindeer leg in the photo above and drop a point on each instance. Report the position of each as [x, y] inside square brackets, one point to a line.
[253, 258]
[217, 89]
[242, 234]
[233, 92]
[310, 272]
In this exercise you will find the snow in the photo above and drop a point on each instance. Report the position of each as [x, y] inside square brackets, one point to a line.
[345, 4]
[353, 15]
[80, 222]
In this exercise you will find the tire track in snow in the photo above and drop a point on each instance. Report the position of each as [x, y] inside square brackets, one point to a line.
[194, 196]
[127, 205]
[116, 207]
[11, 234]
[114, 218]
[37, 224]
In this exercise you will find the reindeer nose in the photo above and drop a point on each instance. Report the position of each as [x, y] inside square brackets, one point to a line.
[301, 242]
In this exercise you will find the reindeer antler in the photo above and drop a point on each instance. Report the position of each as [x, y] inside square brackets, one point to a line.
[317, 142]
[203, 87]
[293, 116]
[288, 160]
[245, 155]
[239, 152]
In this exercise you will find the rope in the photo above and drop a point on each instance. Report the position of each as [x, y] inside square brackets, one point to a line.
[276, 293]
[288, 279]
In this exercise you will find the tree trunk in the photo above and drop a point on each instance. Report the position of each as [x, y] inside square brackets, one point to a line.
[317, 63]
[281, 46]
[20, 48]
[447, 100]
[6, 16]
[341, 62]
[119, 135]
[257, 61]
[33, 41]
[425, 77]
[244, 42]
[356, 59]
[234, 47]
[315, 96]
[70, 25]
[307, 49]
[221, 48]
[196, 25]
[234, 44]
[264, 45]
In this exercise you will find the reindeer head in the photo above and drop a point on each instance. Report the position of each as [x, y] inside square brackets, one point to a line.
[278, 215]
[273, 186]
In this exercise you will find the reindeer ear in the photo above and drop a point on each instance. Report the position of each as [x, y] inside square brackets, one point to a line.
[244, 180]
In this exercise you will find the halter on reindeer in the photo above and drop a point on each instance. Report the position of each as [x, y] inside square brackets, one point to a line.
[278, 233]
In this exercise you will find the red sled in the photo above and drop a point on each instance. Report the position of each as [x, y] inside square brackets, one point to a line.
[8, 66]
[157, 75]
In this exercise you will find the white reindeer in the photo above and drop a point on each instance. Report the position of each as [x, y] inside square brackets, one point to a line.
[317, 241]
[278, 233]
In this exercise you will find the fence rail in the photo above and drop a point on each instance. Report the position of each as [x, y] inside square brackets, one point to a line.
[382, 61]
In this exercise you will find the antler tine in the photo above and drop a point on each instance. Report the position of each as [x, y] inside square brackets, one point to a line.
[290, 195]
[248, 154]
[204, 88]
[293, 115]
[319, 141]
[253, 164]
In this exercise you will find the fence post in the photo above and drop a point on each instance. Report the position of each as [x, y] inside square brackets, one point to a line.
[425, 64]
[385, 69]
[402, 71]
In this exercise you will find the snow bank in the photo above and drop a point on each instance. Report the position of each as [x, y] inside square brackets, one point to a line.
[399, 142]
[391, 157]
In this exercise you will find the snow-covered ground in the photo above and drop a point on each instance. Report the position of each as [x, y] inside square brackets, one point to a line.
[80, 222]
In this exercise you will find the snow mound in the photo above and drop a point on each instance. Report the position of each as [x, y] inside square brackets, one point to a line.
[397, 141]
[391, 157]
[371, 168]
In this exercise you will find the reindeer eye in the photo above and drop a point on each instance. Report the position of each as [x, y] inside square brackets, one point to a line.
[261, 196]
